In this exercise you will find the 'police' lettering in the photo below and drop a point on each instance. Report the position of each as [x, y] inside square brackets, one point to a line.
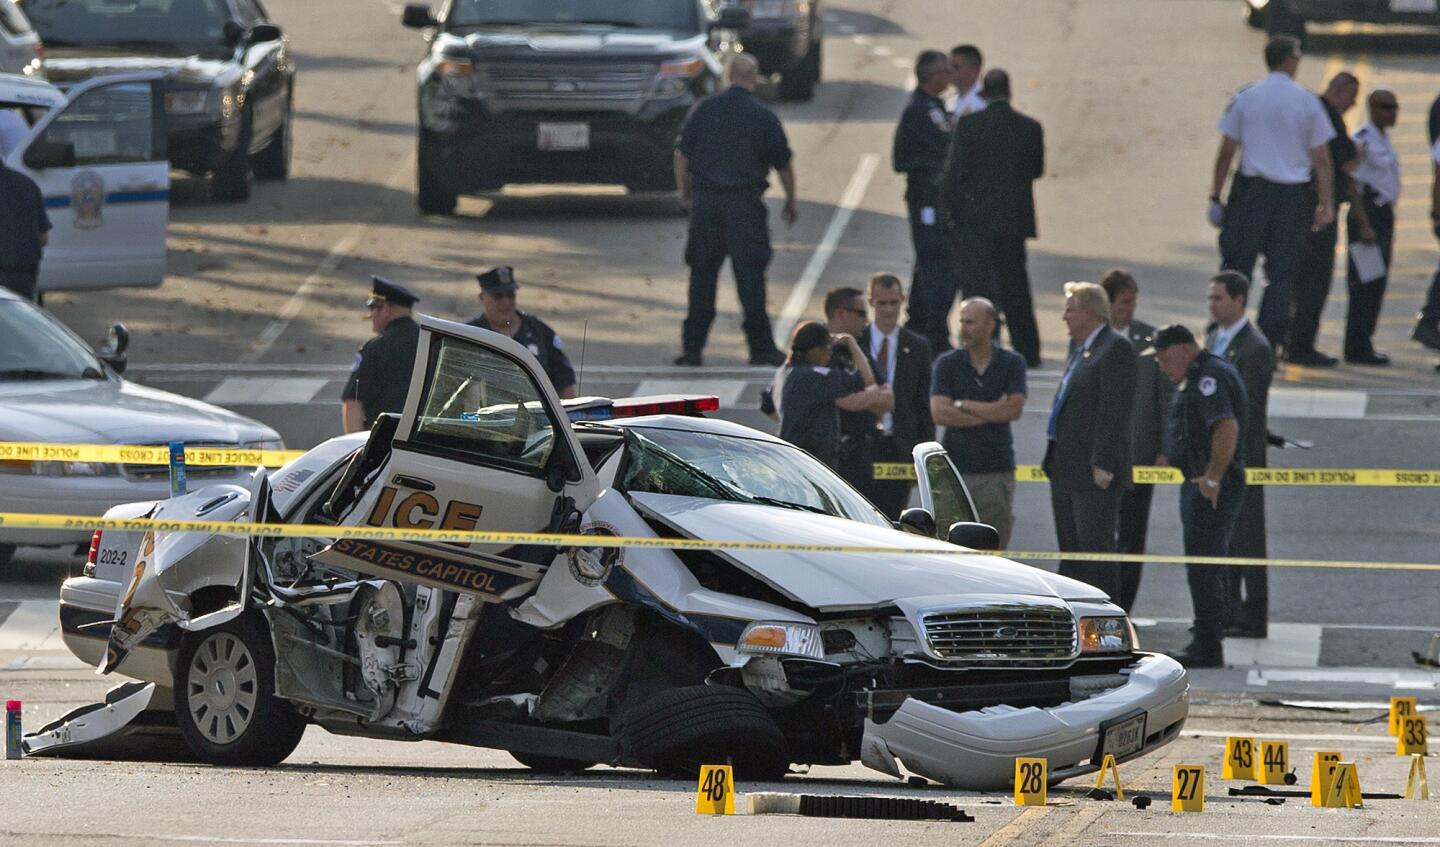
[428, 507]
[382, 507]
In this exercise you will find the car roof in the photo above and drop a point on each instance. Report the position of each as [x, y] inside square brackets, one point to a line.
[29, 91]
[687, 423]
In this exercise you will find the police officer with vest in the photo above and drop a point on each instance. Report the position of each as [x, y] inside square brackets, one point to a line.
[498, 297]
[921, 142]
[380, 377]
[1203, 442]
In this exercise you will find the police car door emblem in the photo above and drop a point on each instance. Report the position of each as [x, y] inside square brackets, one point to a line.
[1207, 385]
[592, 565]
[87, 198]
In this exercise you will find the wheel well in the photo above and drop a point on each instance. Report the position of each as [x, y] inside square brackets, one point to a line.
[663, 655]
[211, 598]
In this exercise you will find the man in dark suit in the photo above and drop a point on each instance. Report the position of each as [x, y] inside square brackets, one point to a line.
[1153, 393]
[1087, 457]
[987, 192]
[1239, 342]
[901, 360]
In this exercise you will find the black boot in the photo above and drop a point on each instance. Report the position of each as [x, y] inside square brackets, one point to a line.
[1202, 654]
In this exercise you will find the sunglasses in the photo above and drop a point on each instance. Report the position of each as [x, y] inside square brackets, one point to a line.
[1386, 106]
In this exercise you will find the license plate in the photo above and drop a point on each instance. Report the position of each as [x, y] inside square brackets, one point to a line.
[1123, 737]
[1414, 6]
[563, 136]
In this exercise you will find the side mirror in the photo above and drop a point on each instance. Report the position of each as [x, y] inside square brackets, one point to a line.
[732, 17]
[917, 521]
[418, 16]
[117, 341]
[234, 33]
[50, 154]
[263, 33]
[976, 536]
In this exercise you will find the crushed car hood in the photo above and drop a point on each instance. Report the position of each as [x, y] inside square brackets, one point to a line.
[69, 65]
[115, 411]
[836, 581]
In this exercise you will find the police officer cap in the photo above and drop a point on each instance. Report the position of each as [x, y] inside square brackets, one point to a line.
[499, 280]
[1173, 334]
[382, 289]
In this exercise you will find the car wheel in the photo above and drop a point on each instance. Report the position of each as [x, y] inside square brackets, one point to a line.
[551, 764]
[798, 83]
[231, 181]
[431, 194]
[7, 553]
[678, 730]
[273, 162]
[225, 698]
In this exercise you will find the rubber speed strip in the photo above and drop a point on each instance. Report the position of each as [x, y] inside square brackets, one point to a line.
[25, 520]
[135, 454]
[1156, 475]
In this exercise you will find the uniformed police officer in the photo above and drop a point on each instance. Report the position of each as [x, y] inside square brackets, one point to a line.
[921, 142]
[498, 296]
[1203, 441]
[1378, 178]
[1282, 133]
[722, 163]
[380, 377]
[24, 231]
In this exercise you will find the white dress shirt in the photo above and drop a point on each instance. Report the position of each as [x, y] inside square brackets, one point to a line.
[1277, 122]
[1379, 167]
[1226, 334]
[887, 420]
[970, 102]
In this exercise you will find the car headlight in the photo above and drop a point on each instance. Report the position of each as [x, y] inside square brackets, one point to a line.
[187, 102]
[1107, 635]
[782, 639]
[674, 78]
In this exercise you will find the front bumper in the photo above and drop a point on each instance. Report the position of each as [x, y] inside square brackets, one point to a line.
[976, 750]
[778, 44]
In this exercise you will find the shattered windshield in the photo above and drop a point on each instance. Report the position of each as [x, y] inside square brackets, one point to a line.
[743, 470]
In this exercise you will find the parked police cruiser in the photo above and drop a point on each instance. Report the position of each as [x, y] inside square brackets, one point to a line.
[525, 91]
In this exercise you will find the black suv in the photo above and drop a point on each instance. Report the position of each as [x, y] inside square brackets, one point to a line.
[592, 91]
[229, 79]
[785, 37]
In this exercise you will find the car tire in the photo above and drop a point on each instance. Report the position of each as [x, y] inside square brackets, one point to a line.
[680, 729]
[7, 554]
[230, 183]
[273, 162]
[225, 699]
[431, 194]
[551, 764]
[798, 83]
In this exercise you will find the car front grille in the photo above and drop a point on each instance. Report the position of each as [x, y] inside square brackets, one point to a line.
[146, 473]
[1002, 636]
[565, 82]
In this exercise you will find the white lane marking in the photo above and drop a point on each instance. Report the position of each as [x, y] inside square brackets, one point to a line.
[799, 298]
[1317, 403]
[728, 390]
[265, 390]
[1290, 645]
[1291, 736]
[861, 39]
[33, 625]
[298, 300]
[1383, 627]
[1249, 836]
[1400, 679]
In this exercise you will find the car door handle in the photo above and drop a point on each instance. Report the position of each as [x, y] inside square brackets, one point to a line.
[414, 482]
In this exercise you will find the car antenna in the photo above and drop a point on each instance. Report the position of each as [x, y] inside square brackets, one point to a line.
[584, 335]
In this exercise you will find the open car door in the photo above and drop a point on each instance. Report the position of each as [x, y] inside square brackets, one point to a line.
[942, 492]
[483, 443]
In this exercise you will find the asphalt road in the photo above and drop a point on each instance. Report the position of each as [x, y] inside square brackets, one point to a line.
[262, 313]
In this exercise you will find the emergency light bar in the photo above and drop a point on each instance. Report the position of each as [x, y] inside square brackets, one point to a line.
[604, 409]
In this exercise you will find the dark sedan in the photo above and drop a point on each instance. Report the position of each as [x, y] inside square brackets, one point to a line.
[229, 76]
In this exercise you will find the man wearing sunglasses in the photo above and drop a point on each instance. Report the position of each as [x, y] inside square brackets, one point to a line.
[380, 377]
[498, 297]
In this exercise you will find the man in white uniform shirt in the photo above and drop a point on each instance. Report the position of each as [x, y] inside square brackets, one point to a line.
[1281, 132]
[1378, 178]
[966, 63]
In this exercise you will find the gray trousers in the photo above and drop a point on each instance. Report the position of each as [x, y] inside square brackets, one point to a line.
[994, 496]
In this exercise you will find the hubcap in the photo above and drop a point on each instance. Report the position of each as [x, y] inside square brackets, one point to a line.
[222, 687]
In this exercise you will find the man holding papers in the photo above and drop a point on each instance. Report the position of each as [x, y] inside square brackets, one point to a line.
[1378, 179]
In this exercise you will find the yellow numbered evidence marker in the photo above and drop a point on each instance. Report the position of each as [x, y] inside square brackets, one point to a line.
[1401, 707]
[1239, 758]
[1187, 793]
[1030, 782]
[1321, 775]
[1274, 762]
[716, 794]
[1343, 792]
[1417, 785]
[1412, 739]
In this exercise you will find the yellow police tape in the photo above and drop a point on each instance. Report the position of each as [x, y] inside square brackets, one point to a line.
[135, 454]
[29, 521]
[1157, 475]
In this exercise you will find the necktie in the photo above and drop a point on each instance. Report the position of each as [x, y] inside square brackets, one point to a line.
[1050, 429]
[883, 360]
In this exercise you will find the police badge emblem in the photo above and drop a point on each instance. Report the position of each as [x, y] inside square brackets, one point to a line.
[1207, 385]
[87, 198]
[592, 565]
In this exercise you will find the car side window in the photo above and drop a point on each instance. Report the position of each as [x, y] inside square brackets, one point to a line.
[481, 406]
[951, 503]
[112, 124]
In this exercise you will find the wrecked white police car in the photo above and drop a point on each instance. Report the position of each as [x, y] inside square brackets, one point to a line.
[949, 663]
